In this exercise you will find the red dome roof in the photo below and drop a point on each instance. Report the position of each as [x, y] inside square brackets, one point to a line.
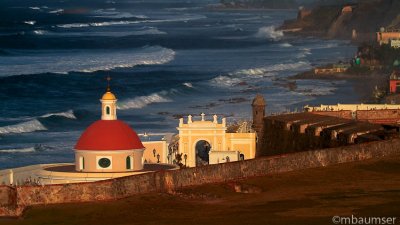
[109, 135]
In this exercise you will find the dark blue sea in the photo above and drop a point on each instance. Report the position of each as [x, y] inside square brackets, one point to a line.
[167, 58]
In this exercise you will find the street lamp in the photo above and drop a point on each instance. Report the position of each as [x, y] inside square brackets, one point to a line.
[185, 157]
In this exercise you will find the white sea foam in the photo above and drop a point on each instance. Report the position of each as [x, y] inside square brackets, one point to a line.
[315, 90]
[17, 150]
[148, 31]
[56, 11]
[317, 87]
[286, 45]
[74, 25]
[288, 66]
[225, 81]
[325, 46]
[127, 22]
[99, 24]
[255, 72]
[141, 31]
[24, 127]
[189, 85]
[183, 8]
[113, 14]
[251, 18]
[271, 70]
[35, 8]
[30, 22]
[39, 32]
[68, 114]
[112, 23]
[304, 53]
[269, 33]
[72, 60]
[143, 101]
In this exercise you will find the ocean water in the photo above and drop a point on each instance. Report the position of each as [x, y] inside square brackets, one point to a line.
[166, 58]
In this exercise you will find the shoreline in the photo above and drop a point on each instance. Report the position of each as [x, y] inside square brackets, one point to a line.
[364, 89]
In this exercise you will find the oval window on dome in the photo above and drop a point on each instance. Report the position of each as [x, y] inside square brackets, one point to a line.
[104, 162]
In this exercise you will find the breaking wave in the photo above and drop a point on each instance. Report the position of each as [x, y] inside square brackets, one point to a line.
[69, 60]
[306, 51]
[31, 22]
[269, 70]
[269, 33]
[318, 89]
[187, 84]
[286, 45]
[127, 22]
[183, 8]
[143, 101]
[225, 81]
[40, 32]
[24, 127]
[140, 31]
[18, 150]
[288, 66]
[68, 114]
[56, 11]
[261, 72]
[112, 14]
[241, 76]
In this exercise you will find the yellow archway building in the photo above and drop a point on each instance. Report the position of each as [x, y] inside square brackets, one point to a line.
[222, 146]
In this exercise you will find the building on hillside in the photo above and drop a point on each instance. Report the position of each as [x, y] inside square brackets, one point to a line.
[347, 9]
[387, 114]
[335, 68]
[203, 142]
[394, 82]
[395, 43]
[385, 36]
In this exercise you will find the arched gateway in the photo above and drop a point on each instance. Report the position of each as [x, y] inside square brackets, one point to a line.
[204, 142]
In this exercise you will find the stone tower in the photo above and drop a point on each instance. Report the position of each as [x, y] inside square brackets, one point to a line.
[258, 107]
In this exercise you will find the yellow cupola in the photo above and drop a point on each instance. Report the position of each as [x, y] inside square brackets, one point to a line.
[108, 104]
[108, 96]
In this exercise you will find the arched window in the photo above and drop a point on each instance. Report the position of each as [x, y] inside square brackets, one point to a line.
[128, 163]
[81, 163]
[108, 110]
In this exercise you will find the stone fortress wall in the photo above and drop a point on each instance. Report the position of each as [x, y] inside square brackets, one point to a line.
[373, 113]
[294, 132]
[13, 200]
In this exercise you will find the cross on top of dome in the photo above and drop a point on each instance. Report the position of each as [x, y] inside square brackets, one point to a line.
[108, 78]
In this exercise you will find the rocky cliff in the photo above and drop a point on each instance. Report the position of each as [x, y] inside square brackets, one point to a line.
[362, 19]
